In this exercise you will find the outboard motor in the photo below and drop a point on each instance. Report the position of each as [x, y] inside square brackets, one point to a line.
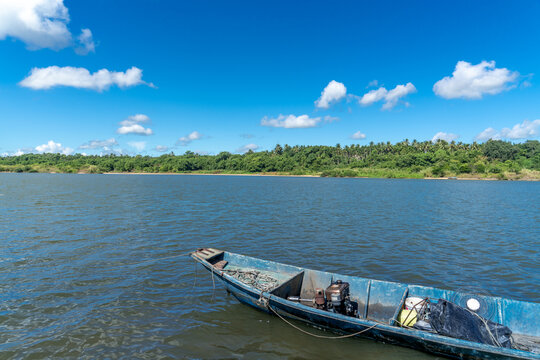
[338, 299]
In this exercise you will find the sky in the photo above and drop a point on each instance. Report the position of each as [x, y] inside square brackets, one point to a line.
[155, 76]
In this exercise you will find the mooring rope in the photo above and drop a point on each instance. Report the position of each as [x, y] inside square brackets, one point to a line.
[320, 336]
[195, 277]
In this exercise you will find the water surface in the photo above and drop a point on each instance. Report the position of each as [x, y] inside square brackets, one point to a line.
[87, 267]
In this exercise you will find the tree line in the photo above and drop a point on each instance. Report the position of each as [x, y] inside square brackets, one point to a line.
[494, 158]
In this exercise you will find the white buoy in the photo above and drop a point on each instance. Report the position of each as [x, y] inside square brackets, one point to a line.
[415, 303]
[473, 304]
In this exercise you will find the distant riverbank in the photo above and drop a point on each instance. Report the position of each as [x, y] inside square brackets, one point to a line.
[532, 176]
[510, 177]
[492, 160]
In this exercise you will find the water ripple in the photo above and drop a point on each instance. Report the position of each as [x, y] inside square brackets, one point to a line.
[78, 278]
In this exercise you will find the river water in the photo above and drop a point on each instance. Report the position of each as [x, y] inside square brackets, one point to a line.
[87, 267]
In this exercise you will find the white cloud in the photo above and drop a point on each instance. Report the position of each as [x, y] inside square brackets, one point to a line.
[41, 24]
[373, 83]
[333, 92]
[19, 152]
[473, 81]
[134, 129]
[525, 130]
[244, 149]
[489, 133]
[186, 140]
[397, 93]
[444, 136]
[330, 119]
[373, 96]
[86, 43]
[100, 144]
[53, 76]
[132, 125]
[162, 148]
[291, 121]
[138, 145]
[54, 147]
[358, 135]
[38, 23]
[390, 97]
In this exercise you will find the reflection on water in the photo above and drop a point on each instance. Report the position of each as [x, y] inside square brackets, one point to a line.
[80, 276]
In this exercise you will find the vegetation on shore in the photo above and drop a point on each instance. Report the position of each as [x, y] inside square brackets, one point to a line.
[494, 159]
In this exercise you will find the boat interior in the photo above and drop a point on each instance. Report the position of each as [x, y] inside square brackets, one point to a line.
[380, 301]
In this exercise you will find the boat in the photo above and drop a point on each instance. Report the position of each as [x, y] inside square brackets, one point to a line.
[349, 306]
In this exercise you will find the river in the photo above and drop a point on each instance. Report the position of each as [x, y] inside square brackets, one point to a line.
[89, 264]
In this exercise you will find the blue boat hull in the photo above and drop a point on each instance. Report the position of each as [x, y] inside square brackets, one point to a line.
[372, 329]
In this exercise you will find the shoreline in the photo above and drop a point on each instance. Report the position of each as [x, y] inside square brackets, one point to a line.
[318, 176]
[281, 175]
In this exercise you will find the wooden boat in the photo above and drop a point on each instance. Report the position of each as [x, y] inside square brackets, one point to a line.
[270, 286]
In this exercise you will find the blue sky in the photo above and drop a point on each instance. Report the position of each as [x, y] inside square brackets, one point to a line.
[211, 76]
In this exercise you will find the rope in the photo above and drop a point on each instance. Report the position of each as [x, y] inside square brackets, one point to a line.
[424, 303]
[320, 336]
[493, 338]
[195, 277]
[163, 258]
[213, 283]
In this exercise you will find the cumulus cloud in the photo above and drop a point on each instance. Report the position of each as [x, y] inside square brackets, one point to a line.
[390, 97]
[86, 43]
[100, 144]
[474, 81]
[444, 136]
[132, 125]
[393, 96]
[188, 139]
[41, 24]
[138, 145]
[373, 96]
[291, 121]
[489, 133]
[247, 136]
[332, 93]
[358, 135]
[19, 152]
[161, 148]
[54, 76]
[244, 149]
[38, 23]
[525, 130]
[54, 147]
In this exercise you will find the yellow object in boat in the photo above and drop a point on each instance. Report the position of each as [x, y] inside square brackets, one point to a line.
[408, 317]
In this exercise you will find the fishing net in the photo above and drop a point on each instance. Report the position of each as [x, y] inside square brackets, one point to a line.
[255, 278]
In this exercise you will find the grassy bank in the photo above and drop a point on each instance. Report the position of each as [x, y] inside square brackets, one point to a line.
[381, 173]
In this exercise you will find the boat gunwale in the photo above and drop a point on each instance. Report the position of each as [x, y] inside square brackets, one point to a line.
[365, 322]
